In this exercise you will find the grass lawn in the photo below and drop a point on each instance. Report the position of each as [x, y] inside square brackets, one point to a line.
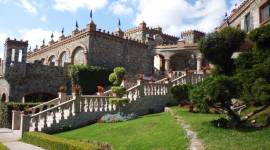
[3, 147]
[224, 139]
[151, 132]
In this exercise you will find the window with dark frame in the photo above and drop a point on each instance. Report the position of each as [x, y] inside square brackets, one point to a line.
[265, 12]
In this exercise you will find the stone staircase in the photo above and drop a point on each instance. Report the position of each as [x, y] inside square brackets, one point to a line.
[73, 111]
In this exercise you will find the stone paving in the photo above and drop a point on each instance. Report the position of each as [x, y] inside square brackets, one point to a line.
[195, 142]
[11, 139]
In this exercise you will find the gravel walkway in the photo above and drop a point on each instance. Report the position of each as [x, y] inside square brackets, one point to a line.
[195, 142]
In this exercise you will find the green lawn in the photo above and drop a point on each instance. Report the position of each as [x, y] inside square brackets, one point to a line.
[224, 139]
[3, 147]
[151, 132]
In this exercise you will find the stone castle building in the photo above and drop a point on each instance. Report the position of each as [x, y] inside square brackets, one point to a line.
[249, 15]
[26, 73]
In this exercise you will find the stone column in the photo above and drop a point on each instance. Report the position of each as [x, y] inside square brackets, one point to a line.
[16, 120]
[77, 98]
[167, 64]
[62, 96]
[25, 123]
[199, 62]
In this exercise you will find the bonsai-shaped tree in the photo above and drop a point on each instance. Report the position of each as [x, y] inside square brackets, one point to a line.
[116, 78]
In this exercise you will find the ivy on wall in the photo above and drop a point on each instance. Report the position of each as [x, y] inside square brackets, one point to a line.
[88, 77]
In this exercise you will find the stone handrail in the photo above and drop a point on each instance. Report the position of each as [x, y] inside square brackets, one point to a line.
[134, 92]
[154, 89]
[44, 106]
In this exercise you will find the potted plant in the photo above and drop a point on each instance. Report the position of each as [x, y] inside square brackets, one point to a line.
[76, 89]
[100, 90]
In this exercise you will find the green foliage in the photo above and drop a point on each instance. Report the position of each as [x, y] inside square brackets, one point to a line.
[261, 91]
[218, 47]
[180, 92]
[261, 36]
[244, 61]
[6, 112]
[4, 122]
[3, 147]
[118, 101]
[215, 90]
[55, 143]
[88, 77]
[117, 76]
[119, 91]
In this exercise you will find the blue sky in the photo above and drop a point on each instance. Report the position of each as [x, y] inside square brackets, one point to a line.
[34, 20]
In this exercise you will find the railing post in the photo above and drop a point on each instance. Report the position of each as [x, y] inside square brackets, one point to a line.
[141, 87]
[16, 120]
[77, 100]
[25, 123]
[62, 96]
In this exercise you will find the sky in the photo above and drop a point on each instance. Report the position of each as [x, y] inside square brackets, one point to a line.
[35, 20]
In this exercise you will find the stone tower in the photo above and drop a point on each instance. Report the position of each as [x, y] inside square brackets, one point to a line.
[15, 54]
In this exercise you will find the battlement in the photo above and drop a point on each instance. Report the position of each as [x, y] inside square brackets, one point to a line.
[192, 32]
[16, 42]
[78, 34]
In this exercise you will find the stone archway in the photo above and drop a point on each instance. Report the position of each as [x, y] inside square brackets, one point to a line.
[3, 98]
[39, 97]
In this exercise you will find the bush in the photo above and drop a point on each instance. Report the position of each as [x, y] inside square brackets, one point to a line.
[261, 36]
[118, 101]
[3, 147]
[119, 91]
[88, 77]
[6, 112]
[117, 76]
[55, 143]
[180, 92]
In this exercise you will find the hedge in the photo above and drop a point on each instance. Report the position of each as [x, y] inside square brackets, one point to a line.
[6, 112]
[89, 77]
[51, 142]
[3, 147]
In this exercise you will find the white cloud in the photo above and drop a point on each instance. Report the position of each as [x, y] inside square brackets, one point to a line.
[29, 6]
[121, 8]
[3, 37]
[178, 15]
[73, 5]
[44, 18]
[36, 36]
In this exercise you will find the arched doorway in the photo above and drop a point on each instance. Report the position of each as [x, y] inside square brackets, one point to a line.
[3, 98]
[78, 56]
[39, 97]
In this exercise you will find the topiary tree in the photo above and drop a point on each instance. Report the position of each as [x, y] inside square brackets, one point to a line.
[218, 92]
[117, 76]
[218, 47]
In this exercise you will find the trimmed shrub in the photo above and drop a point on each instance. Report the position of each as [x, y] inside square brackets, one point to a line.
[261, 36]
[119, 91]
[3, 147]
[51, 142]
[88, 77]
[6, 112]
[180, 92]
[118, 101]
[117, 76]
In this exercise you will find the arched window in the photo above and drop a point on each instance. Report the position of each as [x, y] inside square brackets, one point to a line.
[78, 56]
[63, 59]
[52, 60]
[3, 98]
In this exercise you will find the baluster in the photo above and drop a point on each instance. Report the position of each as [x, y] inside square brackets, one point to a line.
[87, 105]
[36, 123]
[70, 110]
[45, 120]
[54, 117]
[91, 107]
[62, 112]
[96, 104]
[82, 104]
[101, 105]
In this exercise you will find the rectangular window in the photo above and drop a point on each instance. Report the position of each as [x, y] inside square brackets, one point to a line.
[265, 12]
[13, 55]
[247, 22]
[20, 56]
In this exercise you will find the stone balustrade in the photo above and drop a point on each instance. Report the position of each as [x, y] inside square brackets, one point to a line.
[65, 108]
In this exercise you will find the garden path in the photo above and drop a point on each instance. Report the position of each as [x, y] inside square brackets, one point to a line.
[195, 142]
[11, 140]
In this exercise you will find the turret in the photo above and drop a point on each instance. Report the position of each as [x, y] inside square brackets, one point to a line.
[15, 56]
